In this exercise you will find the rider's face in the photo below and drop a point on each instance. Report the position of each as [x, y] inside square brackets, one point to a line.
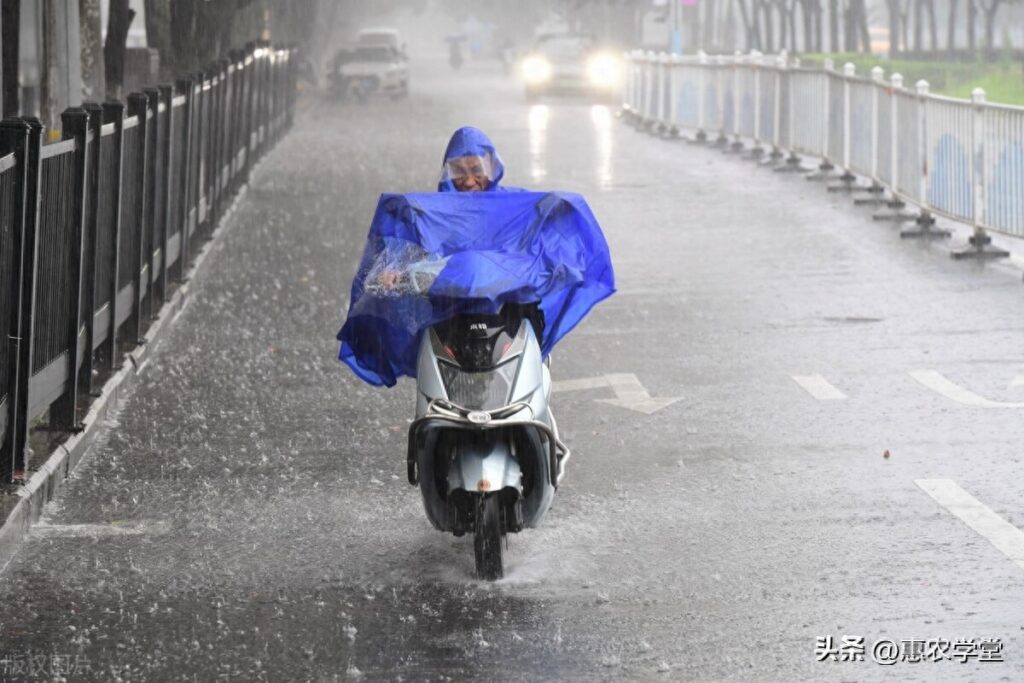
[469, 174]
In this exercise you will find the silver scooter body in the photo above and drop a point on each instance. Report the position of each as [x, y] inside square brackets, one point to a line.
[484, 432]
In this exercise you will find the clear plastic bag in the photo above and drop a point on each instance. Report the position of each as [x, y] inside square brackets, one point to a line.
[403, 268]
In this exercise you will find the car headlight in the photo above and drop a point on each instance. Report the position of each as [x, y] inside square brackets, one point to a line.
[536, 69]
[604, 70]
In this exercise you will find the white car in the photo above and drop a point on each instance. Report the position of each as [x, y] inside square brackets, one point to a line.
[366, 69]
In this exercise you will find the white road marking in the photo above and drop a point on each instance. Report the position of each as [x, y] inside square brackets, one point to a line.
[629, 392]
[996, 530]
[938, 383]
[45, 530]
[819, 387]
[579, 384]
[1018, 381]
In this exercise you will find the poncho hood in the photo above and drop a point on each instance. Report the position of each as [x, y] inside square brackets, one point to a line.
[469, 141]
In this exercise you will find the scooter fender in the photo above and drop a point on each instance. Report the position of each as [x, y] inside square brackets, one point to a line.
[477, 470]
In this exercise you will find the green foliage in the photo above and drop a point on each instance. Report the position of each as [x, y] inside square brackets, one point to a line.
[1003, 81]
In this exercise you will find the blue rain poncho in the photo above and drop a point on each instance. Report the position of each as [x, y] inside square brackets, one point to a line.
[431, 257]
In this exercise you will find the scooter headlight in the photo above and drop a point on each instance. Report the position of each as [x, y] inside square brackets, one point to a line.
[484, 390]
[536, 70]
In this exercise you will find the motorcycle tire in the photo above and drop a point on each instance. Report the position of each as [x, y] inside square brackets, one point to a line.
[487, 538]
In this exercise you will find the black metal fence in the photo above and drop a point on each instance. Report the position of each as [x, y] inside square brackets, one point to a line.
[95, 228]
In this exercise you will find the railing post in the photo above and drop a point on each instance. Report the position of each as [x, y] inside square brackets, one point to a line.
[978, 161]
[925, 221]
[826, 166]
[847, 178]
[113, 112]
[249, 112]
[895, 202]
[184, 191]
[15, 137]
[780, 73]
[757, 62]
[875, 190]
[877, 75]
[168, 188]
[722, 140]
[152, 219]
[922, 143]
[671, 64]
[64, 411]
[86, 377]
[702, 71]
[138, 105]
[979, 244]
[29, 250]
[793, 164]
[737, 143]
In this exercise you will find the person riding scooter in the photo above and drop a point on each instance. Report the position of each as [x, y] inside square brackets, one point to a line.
[453, 289]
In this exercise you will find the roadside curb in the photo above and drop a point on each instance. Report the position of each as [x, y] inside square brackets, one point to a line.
[47, 482]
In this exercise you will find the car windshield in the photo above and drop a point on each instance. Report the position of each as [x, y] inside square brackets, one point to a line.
[382, 38]
[374, 54]
[565, 46]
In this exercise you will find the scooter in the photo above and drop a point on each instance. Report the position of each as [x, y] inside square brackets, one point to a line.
[484, 447]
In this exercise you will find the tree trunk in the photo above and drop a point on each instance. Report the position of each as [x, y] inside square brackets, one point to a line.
[905, 24]
[91, 33]
[833, 25]
[808, 23]
[951, 28]
[10, 16]
[972, 26]
[819, 27]
[769, 25]
[991, 9]
[894, 27]
[918, 27]
[850, 26]
[862, 26]
[933, 27]
[749, 25]
[119, 19]
[791, 19]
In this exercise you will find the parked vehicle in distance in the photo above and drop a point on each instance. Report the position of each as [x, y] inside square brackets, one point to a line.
[370, 66]
[387, 37]
[571, 63]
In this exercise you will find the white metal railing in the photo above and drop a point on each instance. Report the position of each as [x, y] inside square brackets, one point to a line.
[963, 159]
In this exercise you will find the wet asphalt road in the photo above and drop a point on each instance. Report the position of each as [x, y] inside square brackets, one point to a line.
[248, 519]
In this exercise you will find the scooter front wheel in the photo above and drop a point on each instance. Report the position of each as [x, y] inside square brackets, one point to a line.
[487, 538]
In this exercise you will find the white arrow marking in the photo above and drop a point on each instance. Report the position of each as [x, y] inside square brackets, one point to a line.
[629, 392]
[938, 383]
[579, 384]
[1000, 533]
[819, 387]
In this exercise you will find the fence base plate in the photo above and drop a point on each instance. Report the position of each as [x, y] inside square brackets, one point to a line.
[979, 248]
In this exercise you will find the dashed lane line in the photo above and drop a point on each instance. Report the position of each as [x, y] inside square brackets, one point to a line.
[975, 514]
[819, 387]
[938, 383]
